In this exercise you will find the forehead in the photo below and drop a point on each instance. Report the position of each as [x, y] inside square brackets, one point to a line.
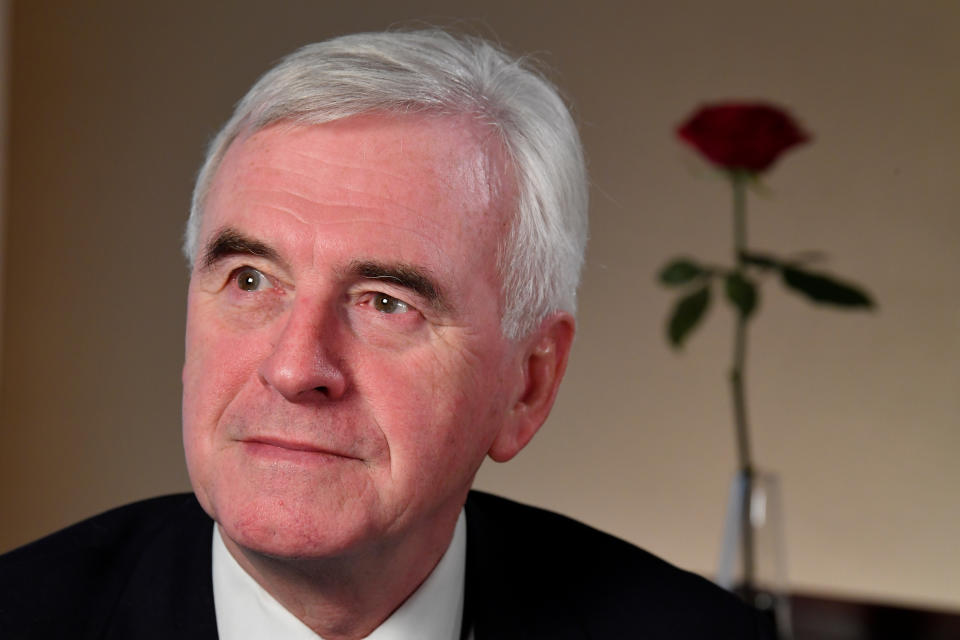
[446, 177]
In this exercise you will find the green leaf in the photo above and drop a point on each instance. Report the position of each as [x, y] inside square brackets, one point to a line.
[680, 271]
[825, 289]
[761, 260]
[688, 312]
[742, 293]
[768, 261]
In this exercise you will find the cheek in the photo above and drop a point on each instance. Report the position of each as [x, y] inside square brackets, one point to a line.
[217, 365]
[214, 372]
[440, 409]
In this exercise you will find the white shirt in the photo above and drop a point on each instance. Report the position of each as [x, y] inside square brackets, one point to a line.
[433, 612]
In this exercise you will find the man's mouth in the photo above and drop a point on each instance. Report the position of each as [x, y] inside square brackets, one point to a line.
[292, 450]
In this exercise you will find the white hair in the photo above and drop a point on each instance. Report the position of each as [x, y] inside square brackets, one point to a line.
[401, 72]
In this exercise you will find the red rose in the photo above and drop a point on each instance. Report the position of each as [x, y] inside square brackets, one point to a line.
[741, 136]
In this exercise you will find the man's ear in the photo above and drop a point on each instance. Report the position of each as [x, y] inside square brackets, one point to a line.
[543, 361]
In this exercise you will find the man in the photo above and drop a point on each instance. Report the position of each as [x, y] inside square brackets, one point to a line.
[385, 243]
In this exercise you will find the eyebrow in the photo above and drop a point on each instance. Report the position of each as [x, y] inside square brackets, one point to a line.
[404, 275]
[229, 242]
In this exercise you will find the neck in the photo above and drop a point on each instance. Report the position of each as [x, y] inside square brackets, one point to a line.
[346, 598]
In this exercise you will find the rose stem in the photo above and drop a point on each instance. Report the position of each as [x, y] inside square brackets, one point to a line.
[739, 181]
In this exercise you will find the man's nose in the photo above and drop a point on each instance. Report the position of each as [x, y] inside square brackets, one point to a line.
[305, 363]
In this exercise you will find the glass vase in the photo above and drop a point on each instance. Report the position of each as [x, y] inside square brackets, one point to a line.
[753, 561]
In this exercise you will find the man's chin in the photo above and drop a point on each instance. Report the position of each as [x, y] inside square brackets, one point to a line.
[283, 531]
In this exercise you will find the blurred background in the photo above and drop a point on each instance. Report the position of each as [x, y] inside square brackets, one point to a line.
[108, 106]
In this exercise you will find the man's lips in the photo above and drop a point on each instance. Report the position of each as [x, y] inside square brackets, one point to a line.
[291, 449]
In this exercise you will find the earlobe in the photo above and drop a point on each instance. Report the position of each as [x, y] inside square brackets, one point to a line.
[543, 364]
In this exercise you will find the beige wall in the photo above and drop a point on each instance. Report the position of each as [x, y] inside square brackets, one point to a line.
[4, 81]
[859, 413]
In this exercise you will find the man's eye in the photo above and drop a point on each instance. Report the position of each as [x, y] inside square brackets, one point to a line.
[249, 279]
[388, 304]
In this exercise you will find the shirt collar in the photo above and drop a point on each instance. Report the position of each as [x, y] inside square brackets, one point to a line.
[433, 612]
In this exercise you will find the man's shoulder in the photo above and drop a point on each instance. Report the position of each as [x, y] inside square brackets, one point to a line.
[100, 539]
[82, 573]
[556, 543]
[598, 585]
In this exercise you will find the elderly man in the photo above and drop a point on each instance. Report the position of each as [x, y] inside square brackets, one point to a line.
[385, 244]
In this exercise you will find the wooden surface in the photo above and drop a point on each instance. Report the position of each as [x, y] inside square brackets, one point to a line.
[824, 618]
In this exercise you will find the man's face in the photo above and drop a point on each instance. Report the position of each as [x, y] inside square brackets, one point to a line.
[345, 369]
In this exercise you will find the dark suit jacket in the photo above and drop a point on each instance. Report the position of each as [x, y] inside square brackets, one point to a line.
[143, 571]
